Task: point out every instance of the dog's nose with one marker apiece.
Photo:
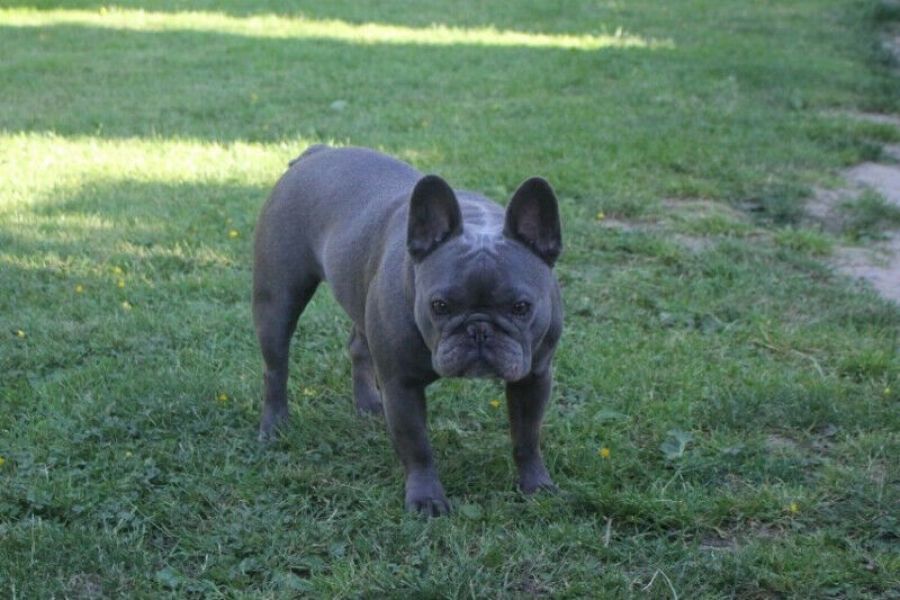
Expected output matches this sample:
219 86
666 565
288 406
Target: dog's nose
479 331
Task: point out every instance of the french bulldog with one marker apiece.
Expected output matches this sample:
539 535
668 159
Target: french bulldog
437 283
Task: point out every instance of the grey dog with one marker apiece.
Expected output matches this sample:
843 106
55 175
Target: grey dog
437 283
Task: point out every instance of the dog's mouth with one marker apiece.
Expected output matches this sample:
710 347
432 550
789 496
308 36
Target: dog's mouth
479 350
480 370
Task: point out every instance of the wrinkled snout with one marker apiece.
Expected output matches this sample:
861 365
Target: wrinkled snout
480 332
478 347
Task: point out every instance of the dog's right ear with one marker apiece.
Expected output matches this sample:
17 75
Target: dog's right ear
434 216
532 218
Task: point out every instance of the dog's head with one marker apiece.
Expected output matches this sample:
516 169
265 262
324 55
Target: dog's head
484 295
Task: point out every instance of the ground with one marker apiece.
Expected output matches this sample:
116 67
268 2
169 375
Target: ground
724 419
876 262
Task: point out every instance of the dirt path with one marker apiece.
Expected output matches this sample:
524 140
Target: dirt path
879 266
877 263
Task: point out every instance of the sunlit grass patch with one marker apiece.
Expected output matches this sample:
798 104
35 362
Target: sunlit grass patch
36 167
276 26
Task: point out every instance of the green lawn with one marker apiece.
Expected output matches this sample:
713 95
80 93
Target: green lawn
745 399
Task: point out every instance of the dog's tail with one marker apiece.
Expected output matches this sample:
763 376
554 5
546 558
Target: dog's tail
309 152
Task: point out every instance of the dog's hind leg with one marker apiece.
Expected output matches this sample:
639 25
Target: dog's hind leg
365 387
275 315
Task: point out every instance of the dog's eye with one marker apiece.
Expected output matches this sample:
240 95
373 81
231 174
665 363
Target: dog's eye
439 307
520 309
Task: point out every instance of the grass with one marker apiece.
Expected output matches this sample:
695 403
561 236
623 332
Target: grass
869 216
807 241
286 27
747 397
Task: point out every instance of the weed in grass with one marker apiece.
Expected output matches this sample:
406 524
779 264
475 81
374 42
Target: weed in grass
715 225
869 216
778 205
806 241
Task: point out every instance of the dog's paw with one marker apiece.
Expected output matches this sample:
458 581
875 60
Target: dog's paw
270 423
543 487
429 507
537 480
426 498
369 406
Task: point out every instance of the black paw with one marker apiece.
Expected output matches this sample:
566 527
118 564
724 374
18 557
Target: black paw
429 507
426 497
537 482
369 406
270 423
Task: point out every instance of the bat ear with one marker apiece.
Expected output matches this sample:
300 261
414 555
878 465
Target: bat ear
532 218
434 216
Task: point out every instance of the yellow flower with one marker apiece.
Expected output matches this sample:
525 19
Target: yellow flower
120 283
128 454
233 233
887 391
309 392
2 461
222 397
495 403
793 508
603 452
126 305
600 216
20 333
118 270
79 289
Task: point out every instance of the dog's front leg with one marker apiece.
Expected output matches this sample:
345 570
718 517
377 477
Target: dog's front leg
404 409
526 400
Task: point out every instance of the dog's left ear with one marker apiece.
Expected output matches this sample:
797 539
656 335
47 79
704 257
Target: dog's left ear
434 216
532 218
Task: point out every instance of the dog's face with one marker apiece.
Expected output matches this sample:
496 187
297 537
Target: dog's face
484 299
482 306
